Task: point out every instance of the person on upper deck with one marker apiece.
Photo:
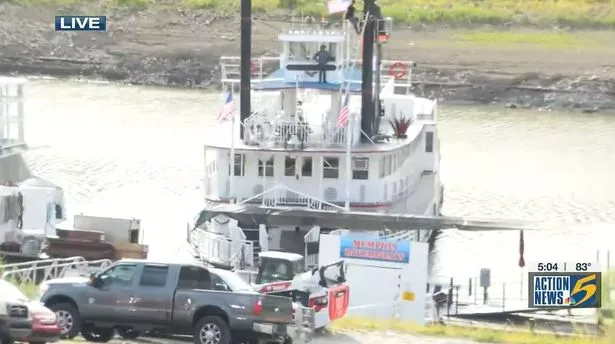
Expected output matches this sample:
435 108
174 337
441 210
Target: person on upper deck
350 16
322 57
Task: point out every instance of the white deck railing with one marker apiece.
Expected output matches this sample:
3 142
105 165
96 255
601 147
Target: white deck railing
281 195
230 68
220 249
265 129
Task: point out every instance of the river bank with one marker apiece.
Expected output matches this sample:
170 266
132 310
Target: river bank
175 47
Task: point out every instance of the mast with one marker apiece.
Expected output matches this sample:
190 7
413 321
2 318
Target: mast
246 57
367 97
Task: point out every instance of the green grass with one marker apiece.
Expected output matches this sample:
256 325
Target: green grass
578 13
478 334
508 38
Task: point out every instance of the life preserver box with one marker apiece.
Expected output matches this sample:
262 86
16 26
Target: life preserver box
398 70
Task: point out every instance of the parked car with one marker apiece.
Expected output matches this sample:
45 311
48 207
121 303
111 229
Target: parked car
176 298
31 321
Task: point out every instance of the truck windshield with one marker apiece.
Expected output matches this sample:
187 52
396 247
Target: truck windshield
9 291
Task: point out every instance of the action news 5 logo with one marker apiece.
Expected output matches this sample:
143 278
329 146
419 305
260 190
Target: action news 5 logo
81 23
566 289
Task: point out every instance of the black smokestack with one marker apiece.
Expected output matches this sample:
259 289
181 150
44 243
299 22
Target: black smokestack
246 59
367 97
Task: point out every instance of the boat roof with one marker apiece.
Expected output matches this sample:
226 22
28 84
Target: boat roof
285 216
281 255
276 81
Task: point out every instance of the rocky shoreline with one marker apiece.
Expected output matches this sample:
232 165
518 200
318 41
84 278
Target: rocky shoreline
174 48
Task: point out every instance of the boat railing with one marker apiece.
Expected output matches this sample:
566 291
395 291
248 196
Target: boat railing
230 67
264 129
281 195
219 249
311 238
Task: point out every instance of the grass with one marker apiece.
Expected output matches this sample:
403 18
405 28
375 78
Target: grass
578 13
490 335
478 334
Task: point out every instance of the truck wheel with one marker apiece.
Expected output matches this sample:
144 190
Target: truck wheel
212 330
97 334
5 337
69 319
128 333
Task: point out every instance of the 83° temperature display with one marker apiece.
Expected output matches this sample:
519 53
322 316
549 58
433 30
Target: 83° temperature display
566 267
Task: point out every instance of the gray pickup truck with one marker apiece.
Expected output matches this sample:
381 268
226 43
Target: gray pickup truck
139 295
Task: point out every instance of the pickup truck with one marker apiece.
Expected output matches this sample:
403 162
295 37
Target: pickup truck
174 298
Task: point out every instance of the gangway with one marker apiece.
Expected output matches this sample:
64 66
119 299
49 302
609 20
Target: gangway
38 271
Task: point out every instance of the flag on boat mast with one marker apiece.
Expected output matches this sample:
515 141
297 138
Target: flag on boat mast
228 108
338 6
344 116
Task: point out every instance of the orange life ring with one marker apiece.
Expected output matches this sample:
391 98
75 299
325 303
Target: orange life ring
398 70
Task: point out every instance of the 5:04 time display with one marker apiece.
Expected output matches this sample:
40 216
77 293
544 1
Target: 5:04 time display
548 267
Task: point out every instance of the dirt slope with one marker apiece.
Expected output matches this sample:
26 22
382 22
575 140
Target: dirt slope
177 47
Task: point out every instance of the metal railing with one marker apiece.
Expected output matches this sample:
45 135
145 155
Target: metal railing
216 248
281 195
230 67
313 236
39 271
269 129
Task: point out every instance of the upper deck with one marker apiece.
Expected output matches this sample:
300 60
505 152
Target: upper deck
297 104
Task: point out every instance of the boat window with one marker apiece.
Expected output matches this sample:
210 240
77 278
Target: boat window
382 161
360 168
330 167
265 167
389 165
306 167
239 165
301 51
289 166
429 142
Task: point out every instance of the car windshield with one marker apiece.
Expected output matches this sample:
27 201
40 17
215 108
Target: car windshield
11 292
234 282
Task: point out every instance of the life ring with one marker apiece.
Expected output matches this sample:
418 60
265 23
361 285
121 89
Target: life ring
398 70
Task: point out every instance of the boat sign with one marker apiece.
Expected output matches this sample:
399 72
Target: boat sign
395 251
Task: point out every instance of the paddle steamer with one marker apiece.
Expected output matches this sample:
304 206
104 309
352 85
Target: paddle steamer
286 147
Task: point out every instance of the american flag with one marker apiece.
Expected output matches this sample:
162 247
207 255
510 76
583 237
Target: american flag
337 6
228 108
344 116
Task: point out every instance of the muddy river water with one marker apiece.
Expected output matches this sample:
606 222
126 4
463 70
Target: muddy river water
135 151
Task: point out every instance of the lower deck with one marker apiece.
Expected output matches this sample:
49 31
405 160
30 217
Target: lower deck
301 234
